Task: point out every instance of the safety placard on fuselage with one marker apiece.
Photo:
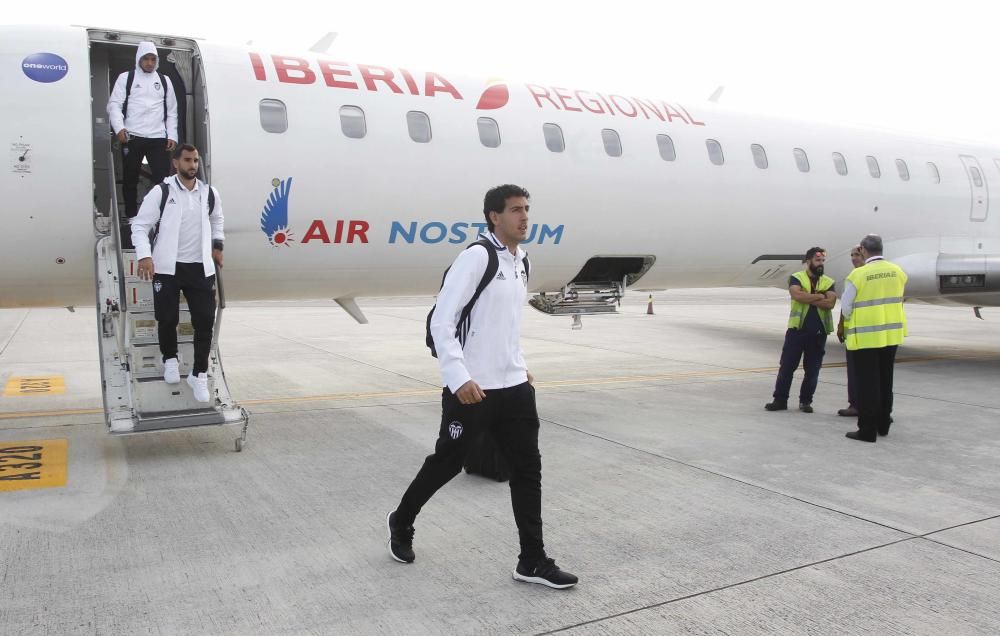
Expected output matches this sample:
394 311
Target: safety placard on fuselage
20 158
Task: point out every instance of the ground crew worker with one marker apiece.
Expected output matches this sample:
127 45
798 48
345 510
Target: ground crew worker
188 244
874 325
810 321
488 390
852 381
143 115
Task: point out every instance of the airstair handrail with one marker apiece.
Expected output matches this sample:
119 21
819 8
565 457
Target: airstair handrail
116 231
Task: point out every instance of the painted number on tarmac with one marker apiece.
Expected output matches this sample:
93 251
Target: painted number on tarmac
37 385
32 464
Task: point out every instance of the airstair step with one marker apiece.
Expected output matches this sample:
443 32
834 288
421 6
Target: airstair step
581 299
178 419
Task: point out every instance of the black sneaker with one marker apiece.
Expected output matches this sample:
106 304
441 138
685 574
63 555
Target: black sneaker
400 540
805 408
777 405
545 572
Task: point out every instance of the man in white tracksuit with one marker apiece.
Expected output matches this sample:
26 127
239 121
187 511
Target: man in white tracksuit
144 118
488 390
187 246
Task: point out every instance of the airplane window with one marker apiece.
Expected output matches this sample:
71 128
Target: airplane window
489 132
273 116
419 126
840 163
977 178
759 156
612 142
715 152
352 122
933 171
667 150
904 172
553 137
801 160
873 168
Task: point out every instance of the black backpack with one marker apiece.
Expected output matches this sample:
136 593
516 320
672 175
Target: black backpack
164 193
128 93
484 458
464 319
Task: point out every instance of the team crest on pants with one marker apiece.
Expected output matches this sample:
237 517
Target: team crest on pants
157 286
455 430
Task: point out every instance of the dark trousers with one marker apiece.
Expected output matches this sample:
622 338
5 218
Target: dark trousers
155 152
200 293
509 415
852 379
874 368
799 345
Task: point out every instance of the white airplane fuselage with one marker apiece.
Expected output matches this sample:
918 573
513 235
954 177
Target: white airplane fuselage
385 215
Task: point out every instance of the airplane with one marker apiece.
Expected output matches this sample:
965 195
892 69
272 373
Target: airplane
343 179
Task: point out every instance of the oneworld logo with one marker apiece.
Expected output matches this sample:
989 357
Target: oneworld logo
45 67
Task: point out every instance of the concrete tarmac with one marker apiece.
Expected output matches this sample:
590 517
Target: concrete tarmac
681 504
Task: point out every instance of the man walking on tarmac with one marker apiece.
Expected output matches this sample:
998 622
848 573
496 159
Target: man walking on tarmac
809 323
488 389
185 215
143 114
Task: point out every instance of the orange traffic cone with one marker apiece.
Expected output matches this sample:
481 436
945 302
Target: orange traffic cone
649 307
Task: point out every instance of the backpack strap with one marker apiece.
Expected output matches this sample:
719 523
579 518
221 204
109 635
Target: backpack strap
164 193
462 328
211 204
163 83
492 265
527 266
128 91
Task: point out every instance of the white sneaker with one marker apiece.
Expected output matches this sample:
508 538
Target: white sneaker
171 372
199 384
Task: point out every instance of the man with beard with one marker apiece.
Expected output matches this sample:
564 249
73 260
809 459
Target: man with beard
809 323
187 216
476 331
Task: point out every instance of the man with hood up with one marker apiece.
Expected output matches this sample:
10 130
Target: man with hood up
809 322
143 114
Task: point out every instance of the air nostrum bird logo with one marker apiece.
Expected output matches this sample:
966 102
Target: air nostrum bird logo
274 218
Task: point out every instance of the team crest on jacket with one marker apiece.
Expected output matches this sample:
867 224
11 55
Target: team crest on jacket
455 430
274 218
156 86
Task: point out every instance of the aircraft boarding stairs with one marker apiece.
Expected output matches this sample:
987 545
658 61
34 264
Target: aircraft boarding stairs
136 399
597 289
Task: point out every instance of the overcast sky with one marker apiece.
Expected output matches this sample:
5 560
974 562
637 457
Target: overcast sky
928 70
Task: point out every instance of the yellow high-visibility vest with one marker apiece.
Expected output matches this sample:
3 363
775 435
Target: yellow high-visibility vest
878 319
797 316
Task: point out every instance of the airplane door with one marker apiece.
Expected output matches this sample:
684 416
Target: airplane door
980 190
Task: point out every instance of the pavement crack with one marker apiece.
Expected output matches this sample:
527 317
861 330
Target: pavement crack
726 587
339 355
732 478
14 332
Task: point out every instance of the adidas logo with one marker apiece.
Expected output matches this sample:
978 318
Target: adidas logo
171 200
500 276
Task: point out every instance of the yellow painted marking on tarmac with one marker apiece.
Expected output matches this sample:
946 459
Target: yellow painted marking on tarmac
581 382
35 385
30 464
